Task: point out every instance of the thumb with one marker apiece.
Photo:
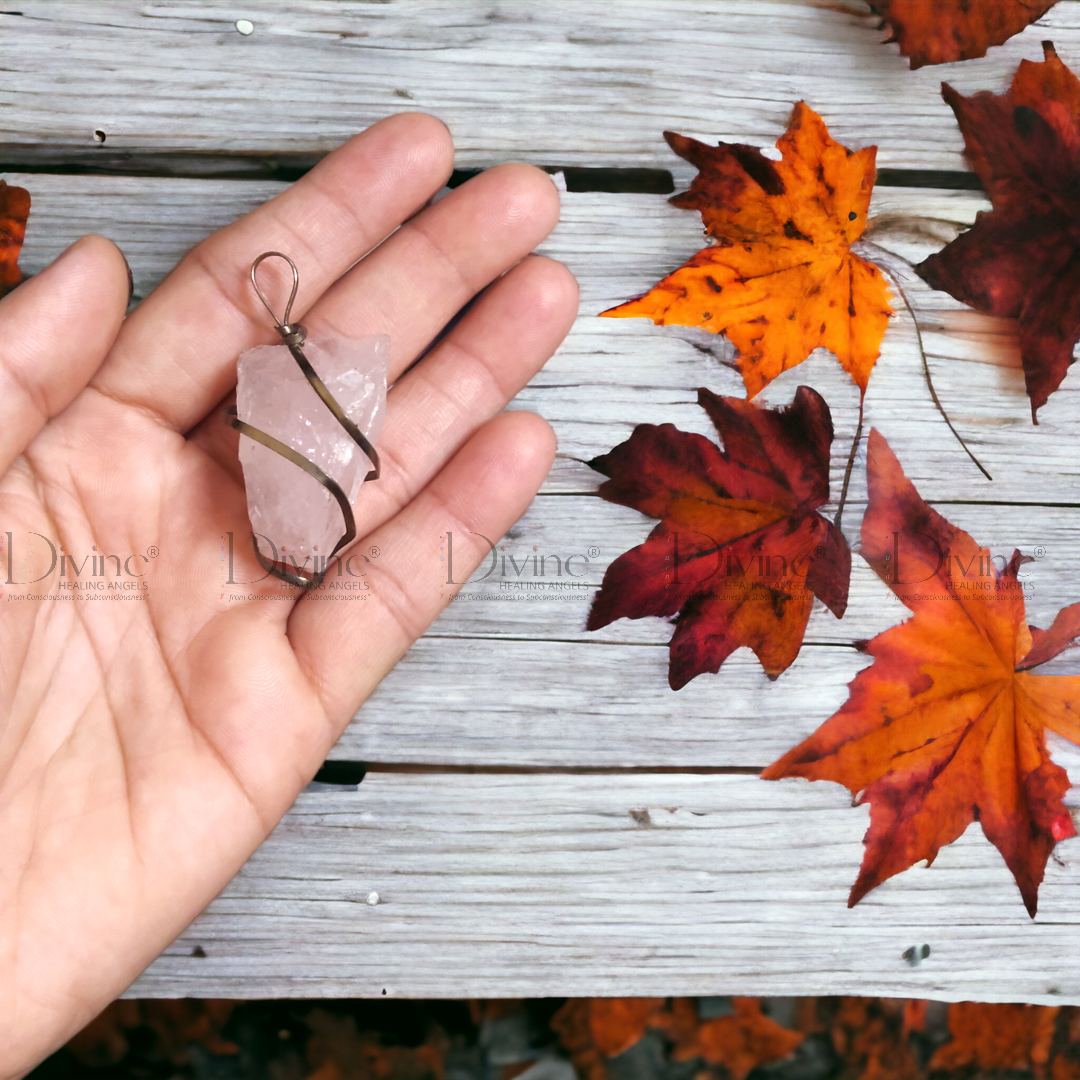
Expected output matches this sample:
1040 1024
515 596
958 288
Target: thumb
55 330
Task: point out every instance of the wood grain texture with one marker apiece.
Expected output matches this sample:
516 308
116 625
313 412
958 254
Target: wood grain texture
549 882
509 676
614 373
486 701
493 886
551 81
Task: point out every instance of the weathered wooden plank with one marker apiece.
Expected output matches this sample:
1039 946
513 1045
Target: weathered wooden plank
492 885
612 884
553 704
615 240
552 81
527 588
610 375
613 374
480 688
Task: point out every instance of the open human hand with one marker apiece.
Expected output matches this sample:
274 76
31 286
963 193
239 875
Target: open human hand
148 746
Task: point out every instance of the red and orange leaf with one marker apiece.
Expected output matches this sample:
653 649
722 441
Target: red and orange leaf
173 1025
871 1036
780 279
1046 644
941 31
740 1042
947 725
591 1030
1022 260
14 211
616 1024
997 1037
740 551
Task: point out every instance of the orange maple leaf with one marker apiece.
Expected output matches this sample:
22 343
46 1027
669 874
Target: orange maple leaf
781 278
941 31
14 210
871 1036
175 1026
947 725
740 1042
993 1037
591 1030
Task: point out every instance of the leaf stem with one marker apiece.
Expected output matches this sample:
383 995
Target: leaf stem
850 464
925 362
930 382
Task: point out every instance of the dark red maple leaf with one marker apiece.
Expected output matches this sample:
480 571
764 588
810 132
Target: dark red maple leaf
1022 260
940 31
740 551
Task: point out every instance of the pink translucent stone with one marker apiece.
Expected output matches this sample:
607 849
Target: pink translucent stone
286 505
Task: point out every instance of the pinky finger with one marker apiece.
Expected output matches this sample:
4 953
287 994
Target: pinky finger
346 648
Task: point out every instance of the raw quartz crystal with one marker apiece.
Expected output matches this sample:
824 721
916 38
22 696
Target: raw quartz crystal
286 505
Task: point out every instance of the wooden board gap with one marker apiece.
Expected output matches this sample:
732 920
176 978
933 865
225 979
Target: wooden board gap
556 770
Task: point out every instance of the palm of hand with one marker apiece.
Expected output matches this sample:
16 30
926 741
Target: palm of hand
148 746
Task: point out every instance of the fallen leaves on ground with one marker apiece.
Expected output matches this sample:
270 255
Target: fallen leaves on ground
780 279
1022 260
14 211
947 725
941 31
170 1028
740 551
997 1037
826 1038
594 1030
339 1049
740 1041
870 1035
591 1030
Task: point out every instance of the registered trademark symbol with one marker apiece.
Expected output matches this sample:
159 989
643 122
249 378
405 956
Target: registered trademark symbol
819 552
594 552
1039 552
373 551
152 552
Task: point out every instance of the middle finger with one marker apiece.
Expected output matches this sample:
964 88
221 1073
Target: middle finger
415 282
420 277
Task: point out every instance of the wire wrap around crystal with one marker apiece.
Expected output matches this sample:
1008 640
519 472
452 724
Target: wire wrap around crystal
293 336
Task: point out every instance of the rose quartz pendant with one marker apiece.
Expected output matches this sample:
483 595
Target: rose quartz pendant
291 513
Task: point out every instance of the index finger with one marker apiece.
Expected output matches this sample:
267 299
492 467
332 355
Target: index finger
176 354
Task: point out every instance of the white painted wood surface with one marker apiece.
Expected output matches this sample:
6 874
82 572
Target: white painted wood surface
550 882
558 82
614 373
519 885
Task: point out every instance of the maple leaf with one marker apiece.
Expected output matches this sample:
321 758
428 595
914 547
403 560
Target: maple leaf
871 1036
997 1037
1022 260
591 1030
941 31
171 1026
947 725
740 1042
740 550
338 1049
14 211
781 278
